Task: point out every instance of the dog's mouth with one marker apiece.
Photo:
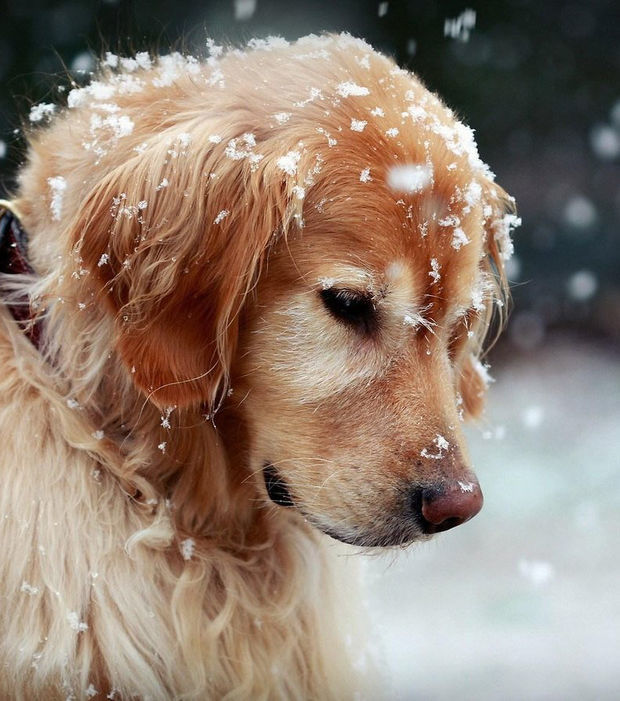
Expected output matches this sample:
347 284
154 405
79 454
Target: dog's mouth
276 487
386 535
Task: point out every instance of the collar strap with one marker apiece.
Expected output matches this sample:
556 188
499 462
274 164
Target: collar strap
14 261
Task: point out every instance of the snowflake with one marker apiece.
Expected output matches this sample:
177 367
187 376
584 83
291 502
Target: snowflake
44 110
58 185
29 589
442 446
289 162
410 178
221 216
187 548
348 88
75 623
459 239
358 124
282 117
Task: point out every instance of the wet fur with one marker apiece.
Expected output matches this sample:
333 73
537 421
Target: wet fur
100 585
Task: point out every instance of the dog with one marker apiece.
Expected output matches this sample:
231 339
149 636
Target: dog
248 319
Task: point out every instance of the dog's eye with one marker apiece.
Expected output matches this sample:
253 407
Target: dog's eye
354 308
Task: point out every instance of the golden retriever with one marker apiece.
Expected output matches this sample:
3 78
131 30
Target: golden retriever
262 281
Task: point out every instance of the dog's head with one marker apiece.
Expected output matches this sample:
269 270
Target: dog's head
313 227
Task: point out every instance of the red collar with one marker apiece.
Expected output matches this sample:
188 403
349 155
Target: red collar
14 261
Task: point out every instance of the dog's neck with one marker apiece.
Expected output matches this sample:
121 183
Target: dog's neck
187 465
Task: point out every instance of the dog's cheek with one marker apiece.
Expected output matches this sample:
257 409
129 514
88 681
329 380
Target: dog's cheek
299 348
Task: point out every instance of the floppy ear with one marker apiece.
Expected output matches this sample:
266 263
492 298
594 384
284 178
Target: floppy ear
499 219
173 239
473 383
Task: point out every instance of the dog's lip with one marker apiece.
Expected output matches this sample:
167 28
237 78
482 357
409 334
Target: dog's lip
277 489
395 539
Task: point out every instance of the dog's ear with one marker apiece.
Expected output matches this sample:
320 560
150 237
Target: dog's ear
499 219
173 239
473 383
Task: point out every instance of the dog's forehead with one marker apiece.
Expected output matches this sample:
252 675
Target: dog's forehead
409 241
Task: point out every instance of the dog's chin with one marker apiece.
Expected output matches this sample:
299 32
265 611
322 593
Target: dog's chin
396 534
387 537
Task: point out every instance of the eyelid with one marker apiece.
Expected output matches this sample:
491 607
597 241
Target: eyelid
361 293
355 308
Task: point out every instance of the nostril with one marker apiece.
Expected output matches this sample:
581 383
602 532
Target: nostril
447 505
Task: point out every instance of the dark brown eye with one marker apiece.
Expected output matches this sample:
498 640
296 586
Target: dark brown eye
351 307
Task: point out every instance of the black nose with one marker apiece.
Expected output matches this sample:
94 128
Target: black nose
447 504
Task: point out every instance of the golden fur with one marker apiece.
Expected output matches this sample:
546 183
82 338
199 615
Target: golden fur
202 209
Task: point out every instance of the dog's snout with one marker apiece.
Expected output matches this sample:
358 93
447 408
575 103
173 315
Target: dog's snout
448 504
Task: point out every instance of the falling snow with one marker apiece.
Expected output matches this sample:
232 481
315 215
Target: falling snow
537 572
244 9
582 285
605 142
410 178
580 212
533 416
461 26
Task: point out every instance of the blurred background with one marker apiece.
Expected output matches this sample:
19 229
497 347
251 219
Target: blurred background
524 602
